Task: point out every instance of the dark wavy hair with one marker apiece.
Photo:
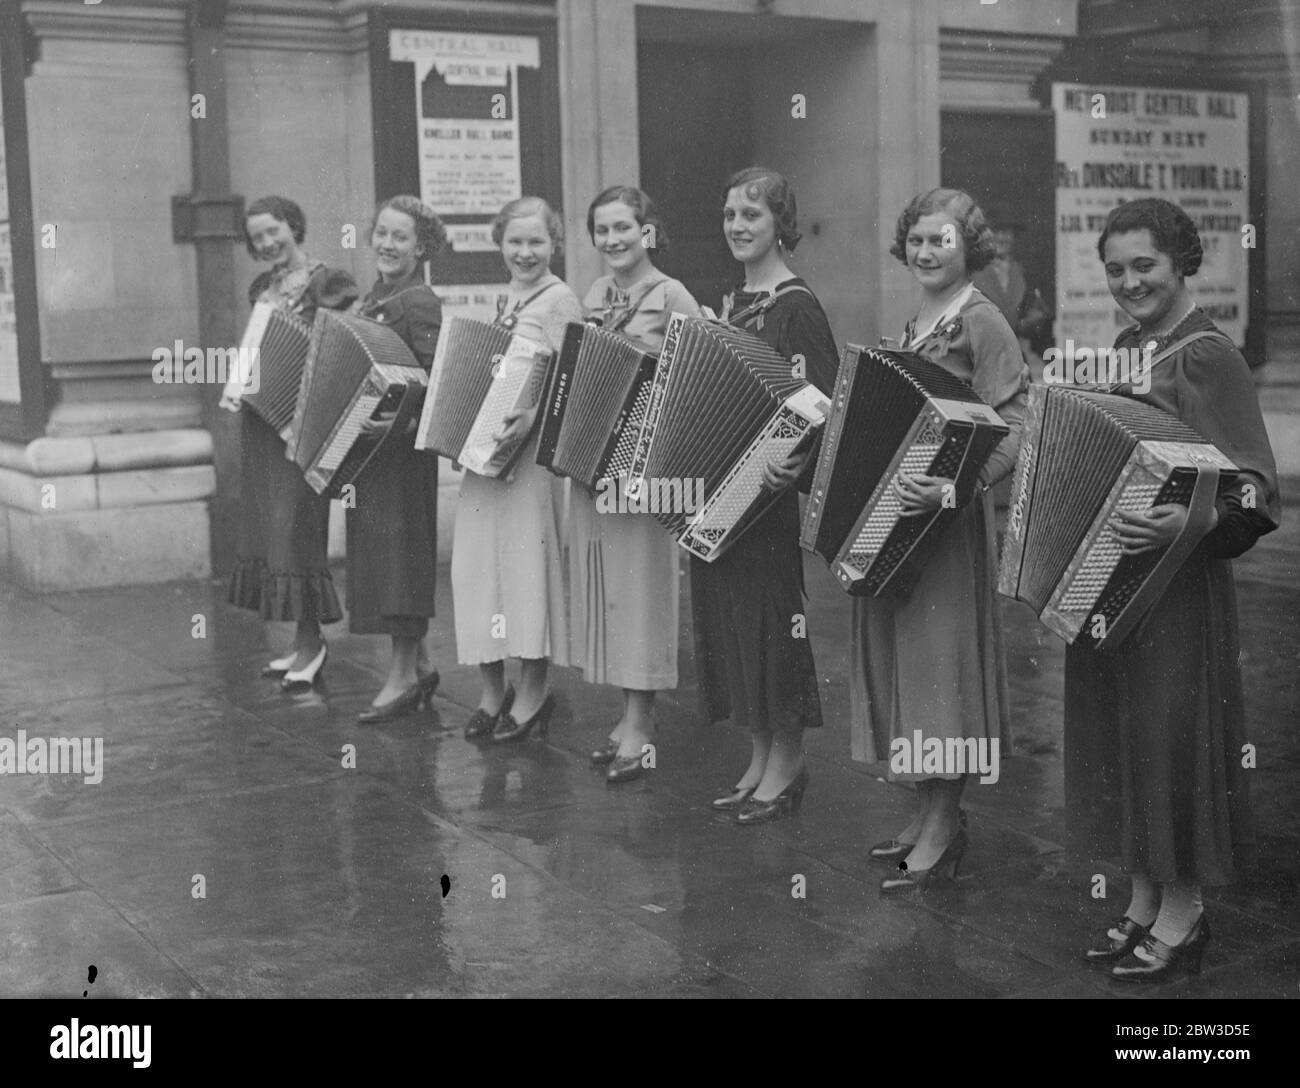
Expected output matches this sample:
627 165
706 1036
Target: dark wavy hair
1172 231
523 207
777 194
430 234
976 235
642 207
277 207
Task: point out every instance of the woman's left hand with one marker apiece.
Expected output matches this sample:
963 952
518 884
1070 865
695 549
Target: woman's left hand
921 494
517 425
379 425
779 475
1155 528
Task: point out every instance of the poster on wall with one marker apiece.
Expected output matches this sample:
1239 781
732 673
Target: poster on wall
467 109
9 386
1118 143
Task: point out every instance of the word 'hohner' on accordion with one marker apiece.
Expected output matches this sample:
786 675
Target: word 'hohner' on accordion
275 345
893 412
594 405
481 372
356 369
723 405
1083 457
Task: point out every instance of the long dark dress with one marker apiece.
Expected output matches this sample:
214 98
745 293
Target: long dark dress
393 530
1154 728
281 570
751 664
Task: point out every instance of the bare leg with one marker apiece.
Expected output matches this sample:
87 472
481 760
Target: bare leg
532 689
638 724
307 641
784 762
762 743
401 669
940 825
493 676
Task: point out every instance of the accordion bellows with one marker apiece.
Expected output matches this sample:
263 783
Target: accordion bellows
355 369
480 373
277 342
722 406
893 412
1083 456
595 403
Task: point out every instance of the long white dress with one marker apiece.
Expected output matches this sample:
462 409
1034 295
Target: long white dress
507 573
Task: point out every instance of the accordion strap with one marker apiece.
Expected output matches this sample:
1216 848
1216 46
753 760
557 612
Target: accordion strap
759 308
1172 350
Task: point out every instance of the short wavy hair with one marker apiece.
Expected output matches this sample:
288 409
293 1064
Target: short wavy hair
976 235
277 207
777 193
642 207
523 207
430 234
1172 231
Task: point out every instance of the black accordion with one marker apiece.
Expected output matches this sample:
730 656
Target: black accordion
355 369
1084 456
480 373
276 344
722 406
894 412
594 405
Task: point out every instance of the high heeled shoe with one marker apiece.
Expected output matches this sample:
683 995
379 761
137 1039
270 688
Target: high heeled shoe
508 729
1121 937
1155 961
481 723
733 799
280 665
428 683
786 803
897 849
306 677
602 756
418 694
943 871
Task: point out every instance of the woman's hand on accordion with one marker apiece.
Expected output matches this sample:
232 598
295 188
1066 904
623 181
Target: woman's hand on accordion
1157 527
517 425
229 401
779 475
921 494
378 426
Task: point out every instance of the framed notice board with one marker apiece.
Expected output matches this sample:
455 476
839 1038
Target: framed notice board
466 115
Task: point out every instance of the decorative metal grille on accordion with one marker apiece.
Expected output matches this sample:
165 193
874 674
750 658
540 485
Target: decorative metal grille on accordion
355 369
722 406
481 372
595 402
893 412
1085 455
277 344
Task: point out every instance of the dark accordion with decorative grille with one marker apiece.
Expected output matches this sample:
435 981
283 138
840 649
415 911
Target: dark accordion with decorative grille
722 406
894 412
595 403
481 372
280 341
356 369
1083 457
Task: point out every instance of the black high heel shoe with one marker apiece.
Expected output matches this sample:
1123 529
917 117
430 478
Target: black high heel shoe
1120 938
417 695
786 803
508 729
942 871
897 850
428 683
733 799
1155 961
601 756
481 723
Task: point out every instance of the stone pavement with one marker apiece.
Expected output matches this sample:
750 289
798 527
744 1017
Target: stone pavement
325 881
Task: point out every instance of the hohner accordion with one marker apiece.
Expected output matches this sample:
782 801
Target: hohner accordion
481 372
355 369
275 343
722 406
594 406
894 412
1083 457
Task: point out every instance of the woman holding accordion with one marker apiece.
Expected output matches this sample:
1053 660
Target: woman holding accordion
623 566
751 648
393 528
1154 729
931 662
281 570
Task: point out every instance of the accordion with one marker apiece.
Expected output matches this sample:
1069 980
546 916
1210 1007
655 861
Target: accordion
1085 456
722 405
893 412
355 369
594 405
276 342
480 373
